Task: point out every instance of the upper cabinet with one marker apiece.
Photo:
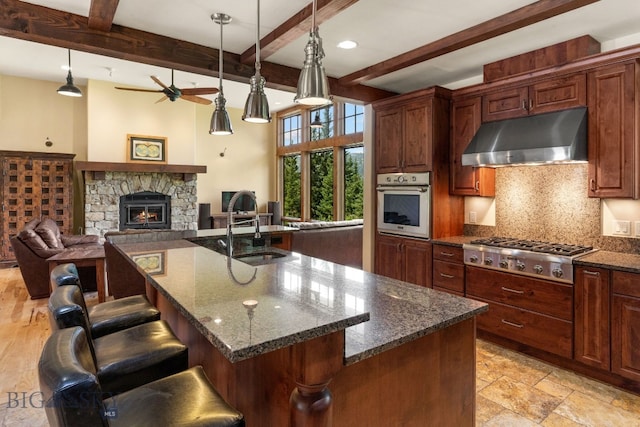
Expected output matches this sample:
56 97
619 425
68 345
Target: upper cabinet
614 154
403 137
467 180
543 97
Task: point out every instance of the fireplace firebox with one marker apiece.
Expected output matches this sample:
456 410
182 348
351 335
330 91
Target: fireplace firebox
145 209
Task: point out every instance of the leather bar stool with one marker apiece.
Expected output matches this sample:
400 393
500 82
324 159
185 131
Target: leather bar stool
110 316
73 396
123 359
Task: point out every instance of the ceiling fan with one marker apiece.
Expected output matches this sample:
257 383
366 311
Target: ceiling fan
172 92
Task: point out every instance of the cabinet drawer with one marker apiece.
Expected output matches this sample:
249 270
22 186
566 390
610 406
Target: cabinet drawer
448 253
541 296
448 275
542 332
626 283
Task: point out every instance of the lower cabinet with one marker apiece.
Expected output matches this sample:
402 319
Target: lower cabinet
404 259
625 325
592 310
448 269
530 311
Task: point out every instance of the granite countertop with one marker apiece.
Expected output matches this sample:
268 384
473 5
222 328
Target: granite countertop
267 229
612 260
298 299
453 241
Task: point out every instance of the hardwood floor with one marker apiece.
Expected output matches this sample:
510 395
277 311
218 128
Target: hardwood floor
512 389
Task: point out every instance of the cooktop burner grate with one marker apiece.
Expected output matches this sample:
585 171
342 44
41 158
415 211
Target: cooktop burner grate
533 245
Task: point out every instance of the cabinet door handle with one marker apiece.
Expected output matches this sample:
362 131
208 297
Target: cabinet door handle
477 186
515 291
449 254
524 104
592 184
515 325
446 276
530 104
591 273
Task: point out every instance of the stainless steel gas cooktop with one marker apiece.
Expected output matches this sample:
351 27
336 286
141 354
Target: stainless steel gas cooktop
545 260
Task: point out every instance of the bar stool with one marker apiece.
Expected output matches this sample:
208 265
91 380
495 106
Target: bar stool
123 359
73 396
110 316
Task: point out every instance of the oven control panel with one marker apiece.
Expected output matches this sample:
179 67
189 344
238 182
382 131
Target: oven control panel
398 179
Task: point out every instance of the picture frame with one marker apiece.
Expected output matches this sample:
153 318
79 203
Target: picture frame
146 149
153 263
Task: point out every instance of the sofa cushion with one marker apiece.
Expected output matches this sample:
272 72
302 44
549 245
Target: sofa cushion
32 239
50 233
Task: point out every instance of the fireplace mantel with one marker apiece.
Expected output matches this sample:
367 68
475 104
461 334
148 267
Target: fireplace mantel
99 168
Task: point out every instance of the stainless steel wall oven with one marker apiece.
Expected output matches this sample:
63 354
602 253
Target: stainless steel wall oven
404 204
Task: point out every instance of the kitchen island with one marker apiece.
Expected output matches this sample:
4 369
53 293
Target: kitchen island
302 341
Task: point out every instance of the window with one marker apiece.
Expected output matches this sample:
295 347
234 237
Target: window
291 186
292 128
353 182
322 168
353 118
322 185
325 114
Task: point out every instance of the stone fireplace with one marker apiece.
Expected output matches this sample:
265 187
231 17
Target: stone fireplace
105 191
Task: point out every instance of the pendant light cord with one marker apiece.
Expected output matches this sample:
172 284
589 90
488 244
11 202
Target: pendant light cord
221 61
258 40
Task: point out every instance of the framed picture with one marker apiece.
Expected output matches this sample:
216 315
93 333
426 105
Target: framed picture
152 263
146 149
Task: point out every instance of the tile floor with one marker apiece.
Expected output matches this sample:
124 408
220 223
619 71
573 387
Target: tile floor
516 390
513 390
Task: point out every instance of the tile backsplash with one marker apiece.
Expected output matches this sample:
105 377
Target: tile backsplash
549 203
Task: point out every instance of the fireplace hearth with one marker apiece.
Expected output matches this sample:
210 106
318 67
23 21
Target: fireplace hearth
145 209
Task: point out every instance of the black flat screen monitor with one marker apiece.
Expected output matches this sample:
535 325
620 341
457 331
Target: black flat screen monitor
243 204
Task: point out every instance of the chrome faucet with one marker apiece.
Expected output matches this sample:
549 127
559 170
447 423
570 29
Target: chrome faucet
230 222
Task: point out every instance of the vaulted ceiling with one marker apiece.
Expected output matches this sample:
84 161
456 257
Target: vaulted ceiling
402 46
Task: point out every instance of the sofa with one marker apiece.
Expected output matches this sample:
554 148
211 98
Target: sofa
124 279
335 241
41 239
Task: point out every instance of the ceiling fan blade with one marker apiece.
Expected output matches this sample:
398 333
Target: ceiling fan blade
199 91
164 98
157 80
138 90
193 98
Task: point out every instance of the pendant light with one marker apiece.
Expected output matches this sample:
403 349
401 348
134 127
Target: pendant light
256 109
220 122
69 89
316 123
313 84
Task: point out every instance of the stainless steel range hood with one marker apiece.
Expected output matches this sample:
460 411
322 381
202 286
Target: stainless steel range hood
557 137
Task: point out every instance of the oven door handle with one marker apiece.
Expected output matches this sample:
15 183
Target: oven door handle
408 189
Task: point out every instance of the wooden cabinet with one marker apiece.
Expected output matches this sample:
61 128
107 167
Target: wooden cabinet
542 97
591 317
404 259
625 325
34 185
467 180
614 155
402 138
530 311
448 269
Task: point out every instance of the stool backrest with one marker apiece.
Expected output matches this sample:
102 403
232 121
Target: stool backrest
70 389
65 274
67 309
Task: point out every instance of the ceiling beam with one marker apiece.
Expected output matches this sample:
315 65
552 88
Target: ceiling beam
101 14
511 21
57 28
294 27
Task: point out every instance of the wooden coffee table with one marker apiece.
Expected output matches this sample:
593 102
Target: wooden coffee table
86 257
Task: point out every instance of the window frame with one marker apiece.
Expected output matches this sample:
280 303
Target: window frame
337 143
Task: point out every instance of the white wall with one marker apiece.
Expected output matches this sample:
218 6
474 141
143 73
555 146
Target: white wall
620 216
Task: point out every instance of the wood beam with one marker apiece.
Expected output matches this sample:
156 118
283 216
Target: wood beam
511 21
101 14
57 28
294 27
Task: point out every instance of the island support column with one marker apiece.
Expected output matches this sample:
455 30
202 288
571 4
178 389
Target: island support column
315 362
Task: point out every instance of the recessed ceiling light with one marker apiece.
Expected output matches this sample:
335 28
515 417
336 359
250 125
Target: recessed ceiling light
347 44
